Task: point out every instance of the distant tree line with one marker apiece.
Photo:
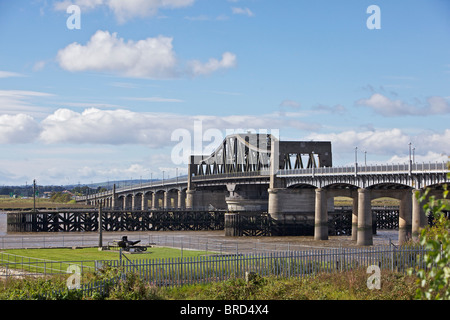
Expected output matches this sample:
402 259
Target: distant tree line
27 191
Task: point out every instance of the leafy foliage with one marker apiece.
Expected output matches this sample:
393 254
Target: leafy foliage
434 279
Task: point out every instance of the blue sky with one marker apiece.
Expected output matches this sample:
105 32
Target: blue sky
109 100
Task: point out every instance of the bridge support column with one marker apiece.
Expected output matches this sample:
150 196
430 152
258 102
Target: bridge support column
128 204
166 200
419 219
144 204
365 232
190 199
156 196
181 199
114 198
171 199
355 219
321 215
405 217
293 211
136 202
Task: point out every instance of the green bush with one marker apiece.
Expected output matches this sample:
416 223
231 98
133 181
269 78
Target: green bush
434 280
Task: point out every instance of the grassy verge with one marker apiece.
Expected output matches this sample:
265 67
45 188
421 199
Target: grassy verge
351 285
22 204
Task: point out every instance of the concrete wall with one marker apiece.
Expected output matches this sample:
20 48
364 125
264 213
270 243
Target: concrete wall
294 204
207 199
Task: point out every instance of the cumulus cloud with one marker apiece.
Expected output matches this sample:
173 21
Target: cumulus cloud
198 68
391 108
386 142
95 126
102 127
421 158
125 10
125 127
152 57
149 58
116 127
18 128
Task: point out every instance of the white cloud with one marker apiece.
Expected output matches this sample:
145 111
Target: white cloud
126 127
337 109
17 101
18 128
290 103
101 127
390 108
421 158
125 10
123 127
9 74
392 142
156 99
243 11
198 68
151 58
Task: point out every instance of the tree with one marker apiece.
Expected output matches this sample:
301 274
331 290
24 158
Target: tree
434 279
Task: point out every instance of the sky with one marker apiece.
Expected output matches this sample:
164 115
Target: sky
103 90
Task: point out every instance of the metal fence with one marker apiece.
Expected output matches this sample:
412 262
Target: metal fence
184 242
214 268
287 264
218 267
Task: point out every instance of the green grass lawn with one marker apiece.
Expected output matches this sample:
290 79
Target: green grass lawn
84 254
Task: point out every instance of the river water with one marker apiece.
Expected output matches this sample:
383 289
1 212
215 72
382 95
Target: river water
196 240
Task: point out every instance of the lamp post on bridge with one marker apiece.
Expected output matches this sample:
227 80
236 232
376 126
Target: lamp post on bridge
410 160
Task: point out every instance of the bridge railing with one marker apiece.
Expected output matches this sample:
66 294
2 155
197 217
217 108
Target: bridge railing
436 167
250 174
133 187
159 183
414 168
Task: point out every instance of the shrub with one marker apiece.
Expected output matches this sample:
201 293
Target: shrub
434 280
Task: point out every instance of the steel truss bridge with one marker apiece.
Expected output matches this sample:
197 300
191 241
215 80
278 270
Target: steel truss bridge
293 182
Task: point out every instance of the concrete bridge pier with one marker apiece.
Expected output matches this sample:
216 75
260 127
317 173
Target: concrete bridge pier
171 200
156 197
128 202
136 201
365 232
321 215
243 202
419 220
355 218
246 197
144 202
190 199
405 217
181 199
293 211
206 199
